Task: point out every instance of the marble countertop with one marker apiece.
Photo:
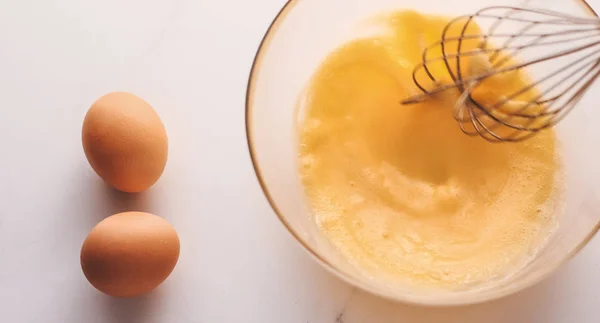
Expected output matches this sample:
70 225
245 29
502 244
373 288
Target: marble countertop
191 60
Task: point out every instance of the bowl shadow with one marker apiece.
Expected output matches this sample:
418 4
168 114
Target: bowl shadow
539 303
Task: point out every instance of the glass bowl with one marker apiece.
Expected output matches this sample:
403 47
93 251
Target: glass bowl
300 37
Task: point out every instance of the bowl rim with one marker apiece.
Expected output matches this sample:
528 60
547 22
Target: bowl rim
258 57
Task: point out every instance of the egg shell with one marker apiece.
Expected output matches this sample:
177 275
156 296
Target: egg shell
125 141
129 254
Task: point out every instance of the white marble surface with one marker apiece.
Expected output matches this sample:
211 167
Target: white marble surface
190 59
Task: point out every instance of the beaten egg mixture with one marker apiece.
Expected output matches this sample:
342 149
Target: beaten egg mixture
399 189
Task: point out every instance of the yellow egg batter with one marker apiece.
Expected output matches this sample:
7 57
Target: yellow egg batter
399 189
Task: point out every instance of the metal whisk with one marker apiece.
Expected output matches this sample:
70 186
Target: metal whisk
561 50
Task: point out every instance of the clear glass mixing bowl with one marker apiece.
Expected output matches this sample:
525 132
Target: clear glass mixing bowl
300 37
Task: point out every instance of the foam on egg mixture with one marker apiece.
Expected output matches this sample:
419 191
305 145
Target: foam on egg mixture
399 190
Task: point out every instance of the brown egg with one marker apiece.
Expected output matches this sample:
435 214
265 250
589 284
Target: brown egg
125 141
129 253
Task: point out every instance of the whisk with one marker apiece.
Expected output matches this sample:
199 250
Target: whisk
561 50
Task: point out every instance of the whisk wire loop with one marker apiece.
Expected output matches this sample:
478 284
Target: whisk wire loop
561 50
